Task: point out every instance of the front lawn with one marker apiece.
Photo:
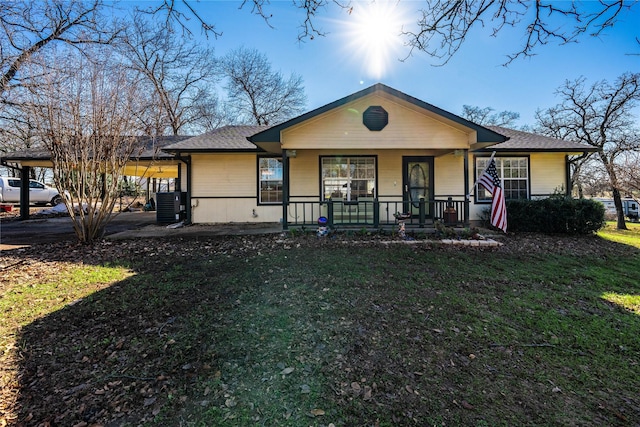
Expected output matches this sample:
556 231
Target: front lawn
628 237
244 331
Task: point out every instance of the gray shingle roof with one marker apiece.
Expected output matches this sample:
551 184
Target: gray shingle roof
29 154
227 138
152 148
526 141
148 148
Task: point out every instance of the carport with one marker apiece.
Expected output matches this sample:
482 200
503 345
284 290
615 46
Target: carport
151 163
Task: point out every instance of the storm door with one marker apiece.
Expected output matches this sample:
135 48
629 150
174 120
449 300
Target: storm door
417 183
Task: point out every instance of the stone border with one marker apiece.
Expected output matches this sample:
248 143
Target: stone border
471 243
486 242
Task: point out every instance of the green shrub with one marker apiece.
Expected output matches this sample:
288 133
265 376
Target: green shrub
555 215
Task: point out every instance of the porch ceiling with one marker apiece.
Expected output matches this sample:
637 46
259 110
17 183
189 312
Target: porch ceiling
138 168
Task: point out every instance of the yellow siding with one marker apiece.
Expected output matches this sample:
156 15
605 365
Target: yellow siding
449 176
213 211
305 171
305 174
408 127
218 175
390 175
224 189
548 173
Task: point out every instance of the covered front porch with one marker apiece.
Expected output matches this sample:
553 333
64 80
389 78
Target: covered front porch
375 189
375 213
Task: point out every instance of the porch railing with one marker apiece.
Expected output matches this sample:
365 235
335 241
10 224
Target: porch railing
376 213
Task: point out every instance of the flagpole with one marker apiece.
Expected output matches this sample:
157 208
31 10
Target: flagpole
475 184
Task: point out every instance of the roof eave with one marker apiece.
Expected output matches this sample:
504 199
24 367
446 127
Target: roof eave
214 150
538 150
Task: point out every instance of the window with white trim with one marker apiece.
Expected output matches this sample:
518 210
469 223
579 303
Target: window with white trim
514 173
270 175
348 178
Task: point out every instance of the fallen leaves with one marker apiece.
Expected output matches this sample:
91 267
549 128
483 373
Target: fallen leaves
287 371
365 353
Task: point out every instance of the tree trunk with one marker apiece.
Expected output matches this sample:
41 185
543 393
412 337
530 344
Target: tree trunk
617 201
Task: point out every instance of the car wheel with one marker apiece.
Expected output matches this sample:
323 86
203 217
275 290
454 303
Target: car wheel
56 200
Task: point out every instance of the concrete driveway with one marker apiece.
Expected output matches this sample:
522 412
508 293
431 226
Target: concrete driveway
14 232
127 225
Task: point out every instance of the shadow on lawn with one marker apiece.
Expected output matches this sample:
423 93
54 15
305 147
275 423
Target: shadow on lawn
128 352
143 349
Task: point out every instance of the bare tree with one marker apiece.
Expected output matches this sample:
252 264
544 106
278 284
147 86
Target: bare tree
29 30
487 117
176 16
257 94
27 27
17 133
86 117
212 116
178 72
602 116
444 25
629 173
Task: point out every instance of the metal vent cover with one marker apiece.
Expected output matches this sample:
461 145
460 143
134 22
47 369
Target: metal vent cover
375 118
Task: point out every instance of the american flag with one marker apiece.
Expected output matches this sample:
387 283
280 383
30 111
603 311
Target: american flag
491 181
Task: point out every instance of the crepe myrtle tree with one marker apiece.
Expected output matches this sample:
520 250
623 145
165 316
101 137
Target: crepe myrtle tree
87 117
600 115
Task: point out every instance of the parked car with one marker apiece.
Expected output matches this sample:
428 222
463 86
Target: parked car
39 193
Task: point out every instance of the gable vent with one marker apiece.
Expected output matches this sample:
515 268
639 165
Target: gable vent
375 118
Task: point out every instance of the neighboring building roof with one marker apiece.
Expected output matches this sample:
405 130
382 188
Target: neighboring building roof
227 138
29 154
526 141
272 134
151 149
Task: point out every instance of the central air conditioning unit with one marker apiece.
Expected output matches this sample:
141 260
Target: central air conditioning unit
169 207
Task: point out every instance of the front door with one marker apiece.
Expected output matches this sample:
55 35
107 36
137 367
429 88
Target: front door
417 183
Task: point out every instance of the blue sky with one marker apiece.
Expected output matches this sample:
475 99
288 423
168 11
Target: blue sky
336 65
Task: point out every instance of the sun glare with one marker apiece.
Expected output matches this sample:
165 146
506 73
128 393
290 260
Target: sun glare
374 29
